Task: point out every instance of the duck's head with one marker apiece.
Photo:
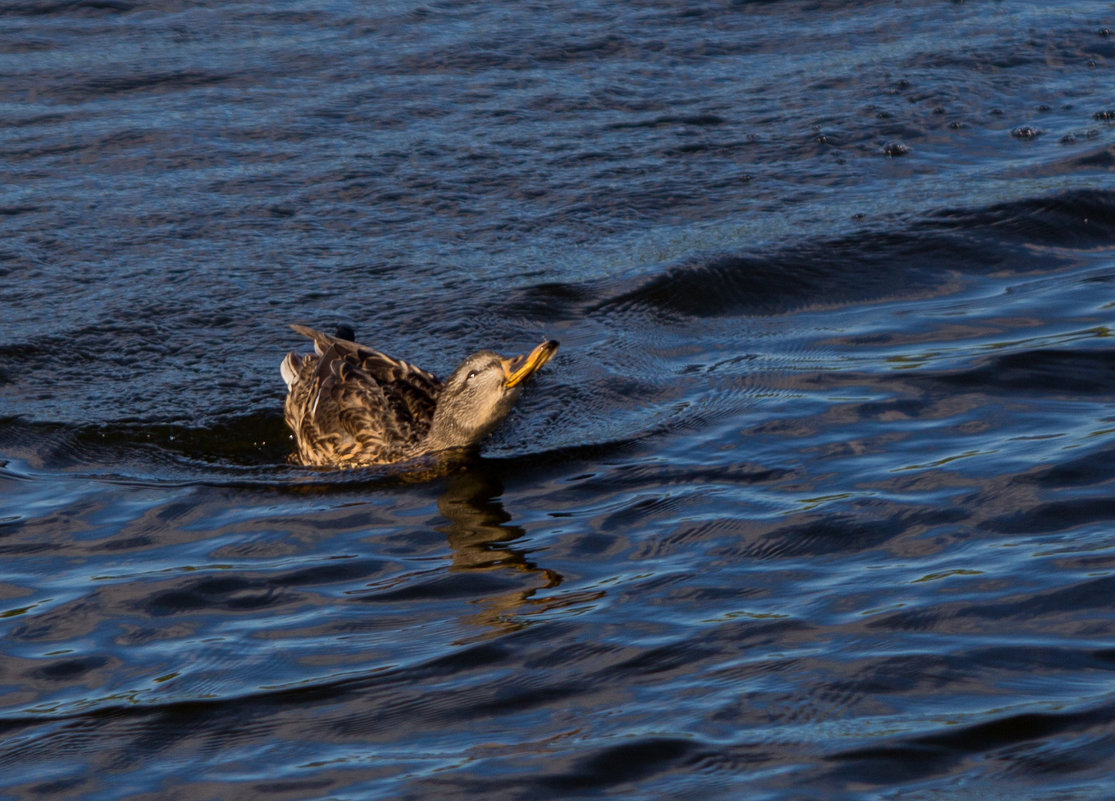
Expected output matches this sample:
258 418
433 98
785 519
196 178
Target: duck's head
480 393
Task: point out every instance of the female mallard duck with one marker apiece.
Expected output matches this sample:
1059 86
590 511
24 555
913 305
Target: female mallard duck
351 406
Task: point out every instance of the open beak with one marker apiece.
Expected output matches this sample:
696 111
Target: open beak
520 368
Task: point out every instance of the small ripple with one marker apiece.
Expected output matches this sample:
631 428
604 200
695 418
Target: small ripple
937 753
623 764
1057 372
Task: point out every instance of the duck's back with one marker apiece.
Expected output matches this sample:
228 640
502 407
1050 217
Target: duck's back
349 404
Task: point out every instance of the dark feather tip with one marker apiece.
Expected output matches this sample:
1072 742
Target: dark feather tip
345 331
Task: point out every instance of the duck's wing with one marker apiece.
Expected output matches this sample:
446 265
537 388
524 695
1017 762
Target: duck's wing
350 403
418 388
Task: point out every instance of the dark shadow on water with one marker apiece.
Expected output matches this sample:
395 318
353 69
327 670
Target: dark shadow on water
251 452
844 270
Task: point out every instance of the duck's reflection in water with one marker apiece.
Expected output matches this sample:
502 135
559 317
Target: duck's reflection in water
480 531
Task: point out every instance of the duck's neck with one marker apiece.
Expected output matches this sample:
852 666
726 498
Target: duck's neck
445 432
459 426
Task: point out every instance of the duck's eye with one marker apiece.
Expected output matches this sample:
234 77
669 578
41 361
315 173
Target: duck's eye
471 375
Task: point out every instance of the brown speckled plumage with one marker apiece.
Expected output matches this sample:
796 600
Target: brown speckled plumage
349 405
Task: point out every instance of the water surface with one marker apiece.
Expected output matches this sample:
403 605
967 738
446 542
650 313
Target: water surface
814 502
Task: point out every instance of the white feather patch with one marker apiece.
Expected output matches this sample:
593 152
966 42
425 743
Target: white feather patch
289 369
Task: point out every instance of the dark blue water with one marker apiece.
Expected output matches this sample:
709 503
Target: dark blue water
815 501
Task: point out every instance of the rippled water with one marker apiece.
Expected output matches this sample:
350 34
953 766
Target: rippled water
815 501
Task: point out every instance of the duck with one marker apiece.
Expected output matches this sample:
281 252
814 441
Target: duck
350 405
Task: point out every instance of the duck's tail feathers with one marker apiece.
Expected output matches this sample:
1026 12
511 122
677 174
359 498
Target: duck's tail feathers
322 341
